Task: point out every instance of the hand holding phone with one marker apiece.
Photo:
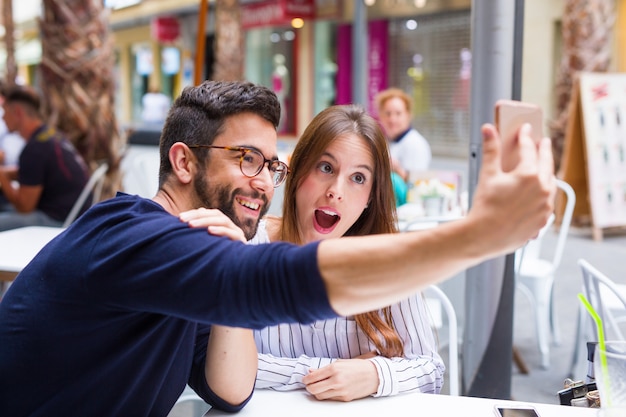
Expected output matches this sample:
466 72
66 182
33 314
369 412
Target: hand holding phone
510 115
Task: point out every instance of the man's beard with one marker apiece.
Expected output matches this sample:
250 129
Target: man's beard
223 198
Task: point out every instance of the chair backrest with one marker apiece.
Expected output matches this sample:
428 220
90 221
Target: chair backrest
532 248
93 187
453 354
601 292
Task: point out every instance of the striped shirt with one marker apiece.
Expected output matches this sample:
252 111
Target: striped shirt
288 351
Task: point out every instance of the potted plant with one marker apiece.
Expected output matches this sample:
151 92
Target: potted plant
433 194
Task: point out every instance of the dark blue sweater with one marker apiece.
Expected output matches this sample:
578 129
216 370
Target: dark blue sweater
111 318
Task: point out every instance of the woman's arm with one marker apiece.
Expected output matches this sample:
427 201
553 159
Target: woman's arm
285 374
421 369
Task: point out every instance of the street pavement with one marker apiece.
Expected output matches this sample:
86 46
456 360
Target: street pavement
608 256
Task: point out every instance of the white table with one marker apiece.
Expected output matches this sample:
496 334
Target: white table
19 246
411 217
299 403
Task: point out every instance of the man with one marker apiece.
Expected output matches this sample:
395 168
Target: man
113 316
50 175
11 146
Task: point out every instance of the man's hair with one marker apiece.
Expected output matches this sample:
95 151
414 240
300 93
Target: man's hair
26 96
197 117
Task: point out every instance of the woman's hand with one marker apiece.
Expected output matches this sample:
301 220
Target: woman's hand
343 380
216 222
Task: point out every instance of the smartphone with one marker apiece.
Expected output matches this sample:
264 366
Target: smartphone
515 411
510 115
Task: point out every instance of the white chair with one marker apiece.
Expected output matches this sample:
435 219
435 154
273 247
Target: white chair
93 188
434 293
535 276
609 301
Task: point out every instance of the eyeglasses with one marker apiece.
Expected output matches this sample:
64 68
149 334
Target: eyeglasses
252 162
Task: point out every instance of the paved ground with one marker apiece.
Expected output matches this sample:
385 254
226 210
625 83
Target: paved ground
608 256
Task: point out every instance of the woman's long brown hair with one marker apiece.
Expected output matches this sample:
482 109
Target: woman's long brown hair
378 217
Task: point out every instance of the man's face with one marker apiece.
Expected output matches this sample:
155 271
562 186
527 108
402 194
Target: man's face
222 185
9 116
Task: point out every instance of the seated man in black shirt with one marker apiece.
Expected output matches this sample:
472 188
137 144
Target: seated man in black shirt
51 173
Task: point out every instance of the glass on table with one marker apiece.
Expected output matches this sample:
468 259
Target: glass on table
610 375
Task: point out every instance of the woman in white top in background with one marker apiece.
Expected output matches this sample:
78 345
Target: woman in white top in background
340 185
409 150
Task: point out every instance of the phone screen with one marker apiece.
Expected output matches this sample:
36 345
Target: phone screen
517 412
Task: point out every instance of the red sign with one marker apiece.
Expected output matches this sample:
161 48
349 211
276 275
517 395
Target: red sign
275 12
165 29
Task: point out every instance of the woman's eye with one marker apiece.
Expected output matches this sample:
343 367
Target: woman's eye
358 178
325 167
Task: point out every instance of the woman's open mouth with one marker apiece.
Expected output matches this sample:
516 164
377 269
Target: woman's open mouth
325 220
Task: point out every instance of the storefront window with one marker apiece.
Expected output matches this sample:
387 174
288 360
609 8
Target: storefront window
269 62
142 63
170 68
325 65
430 59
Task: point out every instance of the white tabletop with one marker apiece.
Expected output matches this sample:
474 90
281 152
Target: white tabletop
19 246
411 217
299 403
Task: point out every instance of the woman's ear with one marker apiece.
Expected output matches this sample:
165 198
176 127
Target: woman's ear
184 162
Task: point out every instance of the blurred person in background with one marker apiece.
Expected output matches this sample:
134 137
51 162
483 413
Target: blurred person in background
409 150
50 175
155 106
11 145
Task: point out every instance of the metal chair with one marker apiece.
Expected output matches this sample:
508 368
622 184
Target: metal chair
535 277
453 340
609 300
93 188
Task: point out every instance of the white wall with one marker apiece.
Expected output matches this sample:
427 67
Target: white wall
539 56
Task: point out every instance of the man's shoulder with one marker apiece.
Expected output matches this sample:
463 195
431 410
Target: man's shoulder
45 134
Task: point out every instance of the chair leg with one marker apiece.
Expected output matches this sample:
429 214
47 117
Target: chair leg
554 321
542 321
579 352
519 361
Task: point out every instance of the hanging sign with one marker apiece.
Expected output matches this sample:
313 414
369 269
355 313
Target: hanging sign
165 29
275 12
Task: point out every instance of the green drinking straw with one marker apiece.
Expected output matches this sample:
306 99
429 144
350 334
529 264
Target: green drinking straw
596 317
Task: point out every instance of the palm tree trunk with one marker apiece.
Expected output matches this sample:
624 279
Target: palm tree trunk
228 41
586 30
9 40
78 82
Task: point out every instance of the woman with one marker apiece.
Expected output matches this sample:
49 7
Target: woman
409 150
340 185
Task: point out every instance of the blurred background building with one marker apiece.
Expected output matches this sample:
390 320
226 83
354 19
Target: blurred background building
302 49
